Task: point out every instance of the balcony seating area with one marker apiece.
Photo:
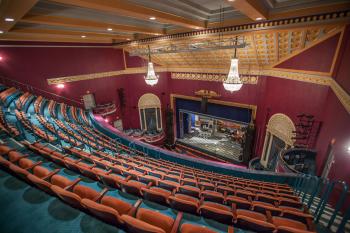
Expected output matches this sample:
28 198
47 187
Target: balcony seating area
93 173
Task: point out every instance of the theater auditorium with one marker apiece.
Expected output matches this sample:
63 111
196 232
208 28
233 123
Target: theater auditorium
174 116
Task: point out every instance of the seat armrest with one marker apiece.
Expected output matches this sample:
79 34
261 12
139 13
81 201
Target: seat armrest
176 224
102 193
34 165
132 211
51 174
70 187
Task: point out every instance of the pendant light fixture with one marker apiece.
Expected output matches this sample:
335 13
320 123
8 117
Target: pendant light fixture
233 81
151 78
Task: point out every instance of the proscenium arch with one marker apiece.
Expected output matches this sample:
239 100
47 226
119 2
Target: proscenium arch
281 126
149 101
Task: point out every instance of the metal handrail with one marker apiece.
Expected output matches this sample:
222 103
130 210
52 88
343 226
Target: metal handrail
37 91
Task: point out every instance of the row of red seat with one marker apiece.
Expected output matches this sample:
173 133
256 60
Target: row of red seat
7 127
60 134
32 127
37 104
163 193
6 93
52 108
108 208
21 101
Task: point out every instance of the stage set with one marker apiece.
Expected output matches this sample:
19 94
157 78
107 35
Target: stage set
219 129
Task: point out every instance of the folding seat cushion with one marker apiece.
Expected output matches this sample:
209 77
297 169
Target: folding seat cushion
206 186
156 194
238 202
148 221
290 202
69 197
39 176
133 174
284 225
226 190
298 216
209 195
103 212
254 221
85 192
189 181
4 150
189 190
245 194
158 174
169 185
218 212
148 178
184 203
174 178
191 228
14 156
61 181
263 208
71 164
289 196
118 169
267 198
21 170
133 187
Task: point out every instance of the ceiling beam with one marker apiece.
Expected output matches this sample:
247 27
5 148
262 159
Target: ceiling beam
76 34
10 36
87 24
14 9
128 9
251 8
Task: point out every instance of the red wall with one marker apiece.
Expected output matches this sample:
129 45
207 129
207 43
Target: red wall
271 95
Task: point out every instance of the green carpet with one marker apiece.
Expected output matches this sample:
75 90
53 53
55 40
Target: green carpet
25 209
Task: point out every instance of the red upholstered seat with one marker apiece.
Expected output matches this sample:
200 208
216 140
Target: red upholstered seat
156 194
226 190
206 186
4 150
14 156
238 202
189 190
21 169
289 202
191 228
218 212
254 221
67 196
133 187
189 181
148 221
60 181
167 184
284 225
263 207
111 180
209 195
85 192
184 203
119 205
149 178
267 199
245 194
104 211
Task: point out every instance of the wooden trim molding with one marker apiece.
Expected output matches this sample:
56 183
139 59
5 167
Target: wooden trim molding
324 80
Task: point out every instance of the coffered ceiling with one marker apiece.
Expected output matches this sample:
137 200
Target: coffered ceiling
114 21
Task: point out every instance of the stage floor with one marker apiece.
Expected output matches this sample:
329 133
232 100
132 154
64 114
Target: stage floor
220 146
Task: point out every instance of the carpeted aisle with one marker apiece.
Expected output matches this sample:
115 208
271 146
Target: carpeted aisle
25 209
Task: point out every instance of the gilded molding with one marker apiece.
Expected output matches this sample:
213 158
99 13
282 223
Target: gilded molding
211 77
342 95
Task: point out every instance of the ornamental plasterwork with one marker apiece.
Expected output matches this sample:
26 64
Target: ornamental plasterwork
282 126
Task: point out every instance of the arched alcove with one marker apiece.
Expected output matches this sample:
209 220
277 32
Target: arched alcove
279 135
150 112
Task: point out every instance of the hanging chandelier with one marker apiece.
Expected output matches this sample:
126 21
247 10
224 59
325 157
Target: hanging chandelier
151 78
233 81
